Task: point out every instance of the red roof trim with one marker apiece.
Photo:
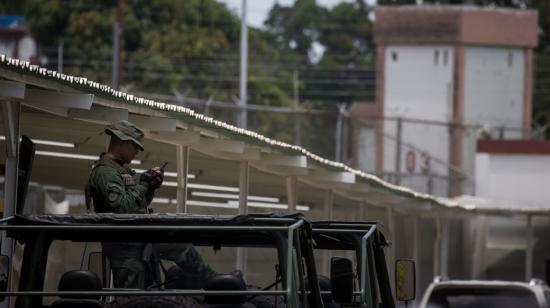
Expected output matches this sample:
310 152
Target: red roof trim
535 147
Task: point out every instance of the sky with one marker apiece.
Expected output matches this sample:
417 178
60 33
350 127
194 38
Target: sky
258 9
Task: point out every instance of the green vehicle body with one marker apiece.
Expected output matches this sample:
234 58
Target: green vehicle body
291 236
367 243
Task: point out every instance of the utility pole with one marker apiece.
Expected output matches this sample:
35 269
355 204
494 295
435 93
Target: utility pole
60 57
117 31
339 128
242 116
297 132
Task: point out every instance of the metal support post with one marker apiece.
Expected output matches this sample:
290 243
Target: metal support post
60 57
297 128
398 150
339 125
117 31
529 249
291 193
345 138
416 254
444 263
391 256
244 173
242 113
182 161
436 249
329 208
11 112
480 239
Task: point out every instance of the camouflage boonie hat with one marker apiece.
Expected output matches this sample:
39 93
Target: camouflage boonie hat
125 130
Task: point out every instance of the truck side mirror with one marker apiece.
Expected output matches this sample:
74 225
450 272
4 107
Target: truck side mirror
405 279
341 279
4 275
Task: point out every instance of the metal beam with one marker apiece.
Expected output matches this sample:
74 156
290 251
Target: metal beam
59 111
284 160
11 112
529 249
12 90
154 123
282 165
331 176
179 137
220 145
47 98
291 192
249 154
103 115
283 171
244 174
182 157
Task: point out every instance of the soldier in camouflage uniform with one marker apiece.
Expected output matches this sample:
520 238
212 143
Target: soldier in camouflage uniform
115 188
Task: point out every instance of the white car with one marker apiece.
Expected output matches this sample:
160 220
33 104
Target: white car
486 294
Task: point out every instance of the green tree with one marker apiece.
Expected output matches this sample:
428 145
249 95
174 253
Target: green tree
297 27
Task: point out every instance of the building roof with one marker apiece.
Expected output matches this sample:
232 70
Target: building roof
456 24
514 146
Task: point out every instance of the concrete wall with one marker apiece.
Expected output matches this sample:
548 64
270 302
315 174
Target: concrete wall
418 85
493 95
513 177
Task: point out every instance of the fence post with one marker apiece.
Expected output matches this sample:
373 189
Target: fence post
398 149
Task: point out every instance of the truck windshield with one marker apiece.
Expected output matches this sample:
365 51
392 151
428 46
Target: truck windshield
482 298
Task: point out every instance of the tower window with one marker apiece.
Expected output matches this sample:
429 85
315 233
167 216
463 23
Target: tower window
394 56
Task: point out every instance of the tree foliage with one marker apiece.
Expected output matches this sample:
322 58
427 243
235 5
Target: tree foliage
192 47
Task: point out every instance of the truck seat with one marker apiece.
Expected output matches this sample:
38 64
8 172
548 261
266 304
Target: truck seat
79 281
226 282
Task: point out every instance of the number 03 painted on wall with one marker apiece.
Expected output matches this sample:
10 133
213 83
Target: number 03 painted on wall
424 162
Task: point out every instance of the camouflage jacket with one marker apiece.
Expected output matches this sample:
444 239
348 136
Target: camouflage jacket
114 188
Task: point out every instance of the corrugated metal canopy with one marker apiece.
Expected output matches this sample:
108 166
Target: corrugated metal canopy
75 110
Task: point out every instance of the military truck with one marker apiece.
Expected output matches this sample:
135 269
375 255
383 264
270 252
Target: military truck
290 237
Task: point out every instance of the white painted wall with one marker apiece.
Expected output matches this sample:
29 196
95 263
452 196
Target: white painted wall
7 47
25 47
493 91
493 95
366 146
513 177
520 178
418 85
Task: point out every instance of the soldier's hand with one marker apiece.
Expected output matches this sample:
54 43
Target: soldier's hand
152 178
